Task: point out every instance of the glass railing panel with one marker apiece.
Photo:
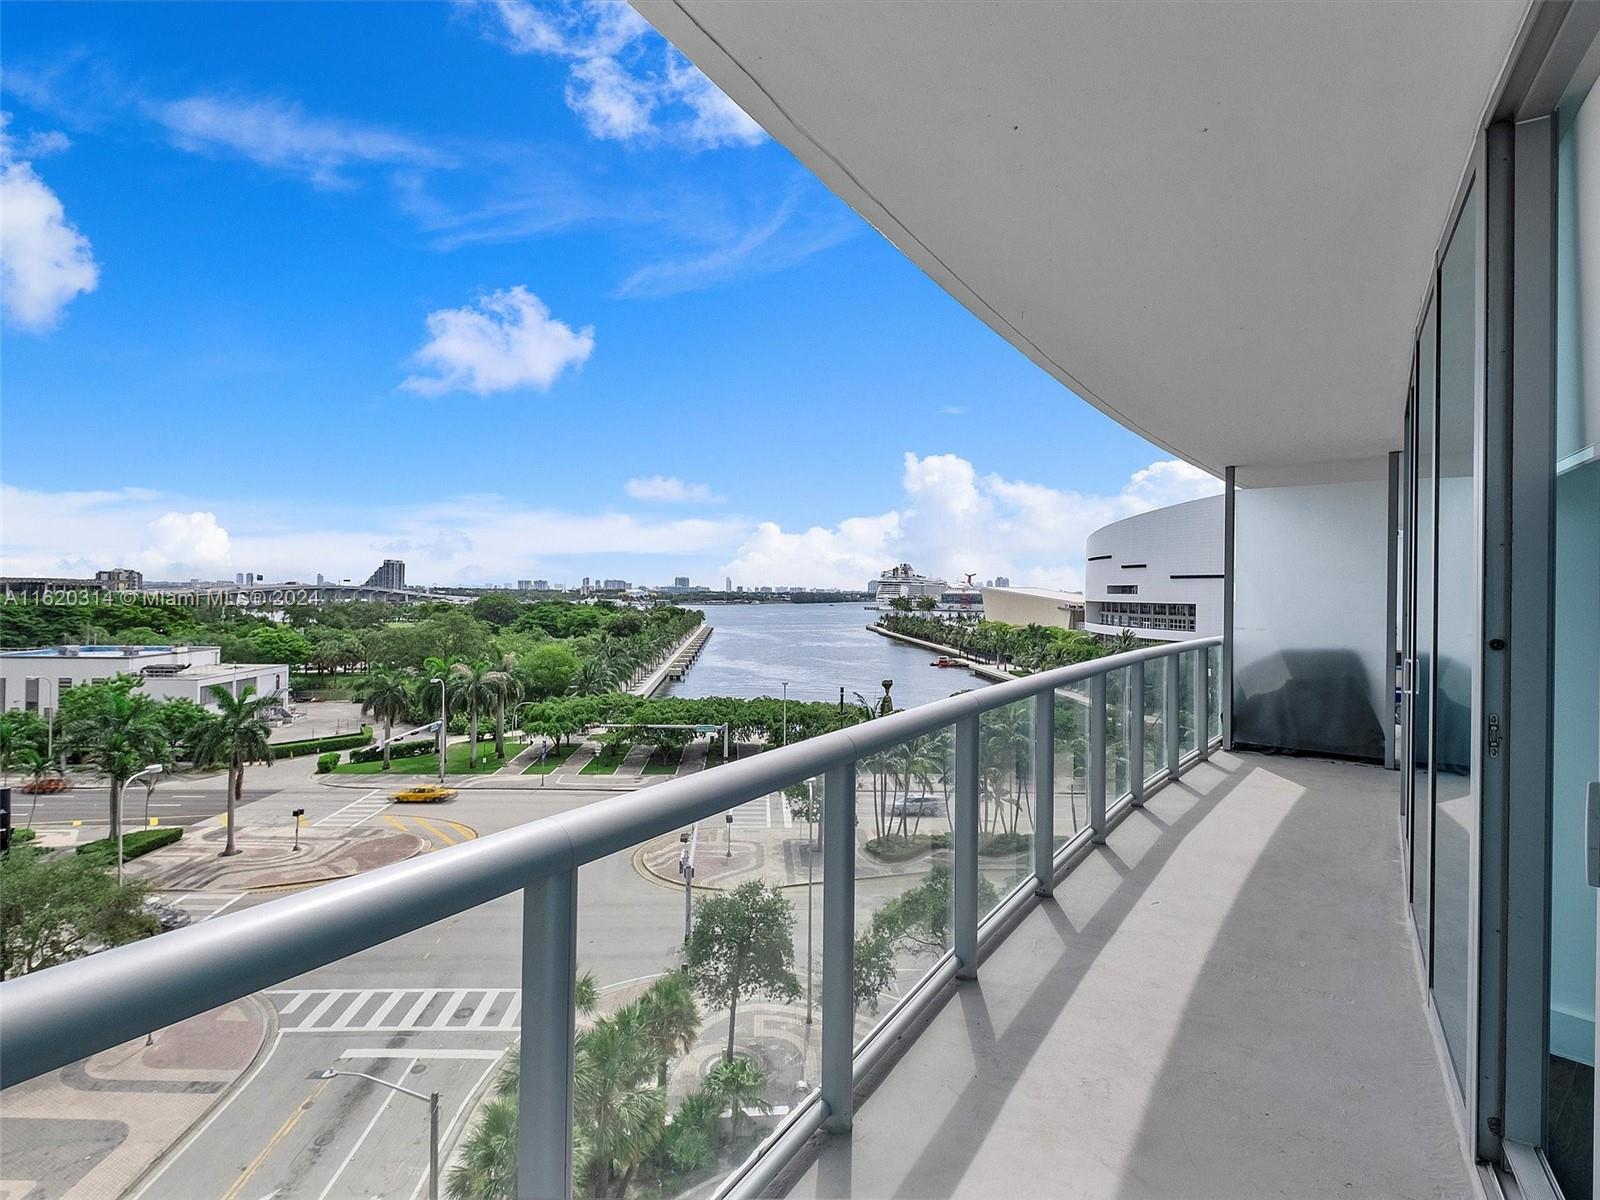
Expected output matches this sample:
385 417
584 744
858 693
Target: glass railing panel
1119 715
700 967
905 801
1072 760
1155 720
1005 799
1213 692
1188 740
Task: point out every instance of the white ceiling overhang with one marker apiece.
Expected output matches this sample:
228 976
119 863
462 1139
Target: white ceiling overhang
1213 221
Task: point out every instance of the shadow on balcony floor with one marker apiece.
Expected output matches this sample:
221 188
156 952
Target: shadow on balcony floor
1220 1002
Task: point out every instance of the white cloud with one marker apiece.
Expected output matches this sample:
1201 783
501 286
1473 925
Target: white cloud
506 340
624 83
667 489
955 520
45 262
464 540
280 135
186 544
789 236
954 410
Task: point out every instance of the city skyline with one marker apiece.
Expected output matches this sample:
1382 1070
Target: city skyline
588 268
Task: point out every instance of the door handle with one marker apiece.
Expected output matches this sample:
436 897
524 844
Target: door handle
1592 836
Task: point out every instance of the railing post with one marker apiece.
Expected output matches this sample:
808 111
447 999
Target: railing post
1097 758
1174 735
1044 792
544 1088
964 904
838 944
1136 732
1202 703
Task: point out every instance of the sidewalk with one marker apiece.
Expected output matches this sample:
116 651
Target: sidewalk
92 1130
267 858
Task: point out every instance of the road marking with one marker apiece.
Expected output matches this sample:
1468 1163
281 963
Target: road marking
435 830
272 1142
349 1014
357 810
440 1010
360 1052
449 1133
388 1099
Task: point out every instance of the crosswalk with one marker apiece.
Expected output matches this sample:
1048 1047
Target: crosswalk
397 1010
764 812
202 906
355 812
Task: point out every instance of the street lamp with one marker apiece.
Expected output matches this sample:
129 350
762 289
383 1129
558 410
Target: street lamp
444 729
432 1101
153 769
786 713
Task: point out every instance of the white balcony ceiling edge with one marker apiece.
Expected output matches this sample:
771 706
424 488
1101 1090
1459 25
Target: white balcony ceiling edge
1213 221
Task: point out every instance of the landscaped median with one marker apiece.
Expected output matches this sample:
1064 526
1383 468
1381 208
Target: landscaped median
103 851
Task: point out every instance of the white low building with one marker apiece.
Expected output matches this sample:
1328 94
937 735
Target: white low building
35 679
1033 606
1159 574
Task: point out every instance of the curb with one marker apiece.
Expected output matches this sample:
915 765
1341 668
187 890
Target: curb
649 875
181 1143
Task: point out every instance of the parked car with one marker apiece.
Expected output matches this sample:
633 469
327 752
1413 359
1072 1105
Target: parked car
917 806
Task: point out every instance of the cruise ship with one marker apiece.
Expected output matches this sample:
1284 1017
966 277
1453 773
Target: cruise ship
901 580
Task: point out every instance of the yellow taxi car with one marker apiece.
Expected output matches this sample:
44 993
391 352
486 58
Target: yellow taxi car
430 793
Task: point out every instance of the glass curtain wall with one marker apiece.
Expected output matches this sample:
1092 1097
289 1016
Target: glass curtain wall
1575 708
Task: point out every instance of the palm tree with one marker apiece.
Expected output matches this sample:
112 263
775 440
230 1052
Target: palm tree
671 1019
739 1083
237 735
508 690
118 733
39 767
487 1166
476 686
596 676
433 671
386 696
621 1111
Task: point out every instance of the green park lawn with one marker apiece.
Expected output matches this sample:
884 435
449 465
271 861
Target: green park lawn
455 763
663 762
552 760
604 763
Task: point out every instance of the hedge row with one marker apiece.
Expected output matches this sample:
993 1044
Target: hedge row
412 749
141 841
343 741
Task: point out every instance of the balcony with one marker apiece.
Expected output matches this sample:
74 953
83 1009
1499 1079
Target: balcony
1175 971
1222 1000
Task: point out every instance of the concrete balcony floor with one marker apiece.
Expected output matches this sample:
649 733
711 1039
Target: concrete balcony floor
1223 1001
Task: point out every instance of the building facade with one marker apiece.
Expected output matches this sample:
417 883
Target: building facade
35 679
1033 606
392 574
1158 574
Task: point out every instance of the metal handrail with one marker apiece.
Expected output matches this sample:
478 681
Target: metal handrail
60 1015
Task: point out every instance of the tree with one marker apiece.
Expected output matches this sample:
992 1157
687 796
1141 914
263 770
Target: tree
670 1019
742 945
496 608
739 1083
487 1166
548 670
19 730
875 971
508 690
900 604
116 730
474 686
596 676
620 1110
236 735
53 910
927 603
386 696
280 644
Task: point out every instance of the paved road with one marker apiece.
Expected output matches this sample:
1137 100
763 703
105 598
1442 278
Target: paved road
186 802
434 1008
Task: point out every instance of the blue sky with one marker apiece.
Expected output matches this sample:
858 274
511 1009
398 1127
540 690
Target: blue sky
509 291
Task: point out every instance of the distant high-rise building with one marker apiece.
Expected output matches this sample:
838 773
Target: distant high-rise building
680 581
238 578
586 583
524 585
120 579
1002 581
541 585
727 584
391 575
319 578
613 585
